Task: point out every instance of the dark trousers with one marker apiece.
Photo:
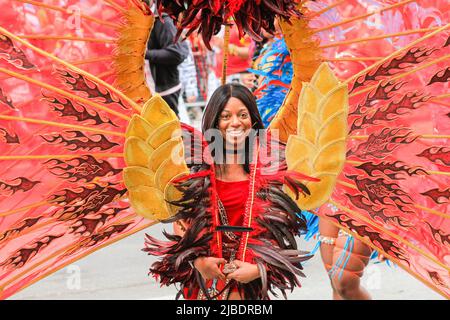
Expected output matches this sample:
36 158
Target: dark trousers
172 101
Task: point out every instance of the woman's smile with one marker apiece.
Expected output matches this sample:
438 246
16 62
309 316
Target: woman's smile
234 132
235 122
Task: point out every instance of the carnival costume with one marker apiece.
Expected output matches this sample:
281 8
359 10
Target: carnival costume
76 114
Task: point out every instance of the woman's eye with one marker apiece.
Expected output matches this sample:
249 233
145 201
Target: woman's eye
244 115
225 116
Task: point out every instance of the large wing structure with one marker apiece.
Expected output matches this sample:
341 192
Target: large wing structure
64 111
374 127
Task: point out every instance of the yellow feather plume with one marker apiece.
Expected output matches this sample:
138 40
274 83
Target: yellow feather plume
154 155
318 150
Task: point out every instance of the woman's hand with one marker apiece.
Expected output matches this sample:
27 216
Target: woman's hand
245 273
209 267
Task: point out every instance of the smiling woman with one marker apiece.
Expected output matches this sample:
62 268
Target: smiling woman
230 116
235 122
237 240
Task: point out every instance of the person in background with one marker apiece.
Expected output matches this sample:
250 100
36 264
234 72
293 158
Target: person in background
164 55
239 58
188 77
189 90
203 59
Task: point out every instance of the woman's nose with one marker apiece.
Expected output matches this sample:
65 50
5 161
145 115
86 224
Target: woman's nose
235 121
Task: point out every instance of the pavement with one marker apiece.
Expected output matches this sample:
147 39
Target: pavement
120 272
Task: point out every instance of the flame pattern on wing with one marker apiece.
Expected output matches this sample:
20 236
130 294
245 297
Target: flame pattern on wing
380 191
392 170
89 200
382 143
85 168
441 76
412 57
362 202
437 155
19 227
436 194
395 109
87 226
6 100
383 92
22 256
14 55
78 83
77 140
23 184
386 245
9 138
66 108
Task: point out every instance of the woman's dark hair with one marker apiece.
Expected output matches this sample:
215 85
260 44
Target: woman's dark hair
217 103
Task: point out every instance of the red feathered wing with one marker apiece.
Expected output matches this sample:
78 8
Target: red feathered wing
393 191
62 133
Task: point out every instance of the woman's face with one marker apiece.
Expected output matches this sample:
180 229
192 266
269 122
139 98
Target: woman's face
235 122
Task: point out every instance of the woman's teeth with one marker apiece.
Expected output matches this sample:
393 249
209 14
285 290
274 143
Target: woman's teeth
235 133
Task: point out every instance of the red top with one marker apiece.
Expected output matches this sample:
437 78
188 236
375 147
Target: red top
234 197
235 64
